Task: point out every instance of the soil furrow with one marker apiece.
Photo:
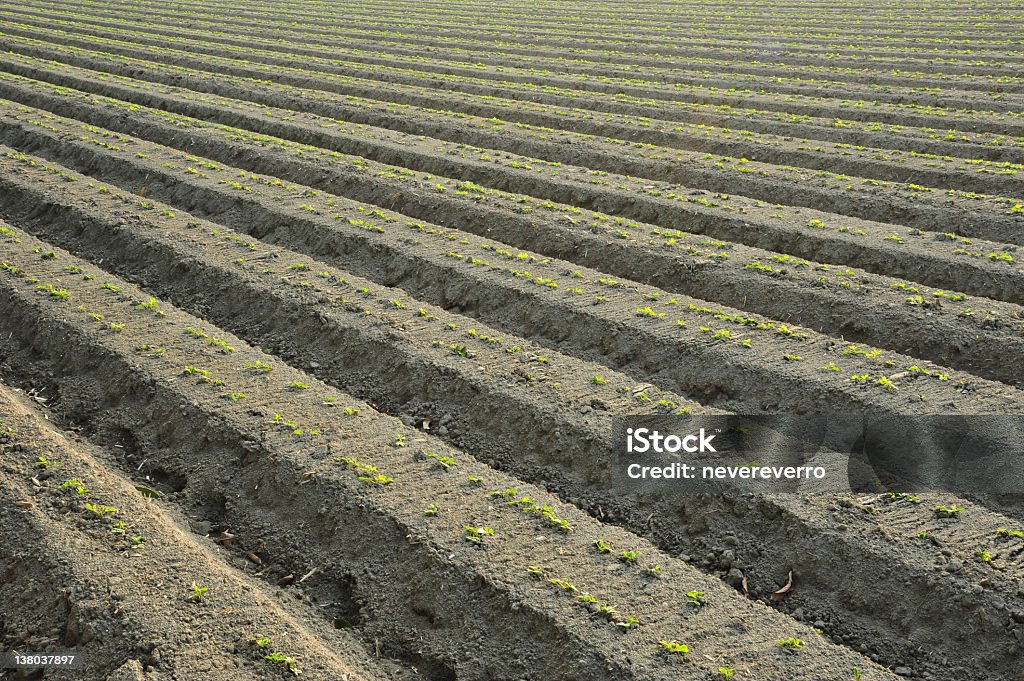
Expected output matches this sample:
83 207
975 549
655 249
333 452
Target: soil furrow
333 135
942 65
1002 119
374 537
528 303
879 162
884 312
65 563
387 14
457 59
926 140
184 261
321 333
389 70
905 204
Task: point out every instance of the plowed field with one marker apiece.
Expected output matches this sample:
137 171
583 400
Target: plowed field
315 318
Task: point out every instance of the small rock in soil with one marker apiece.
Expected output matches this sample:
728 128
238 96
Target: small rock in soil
734 578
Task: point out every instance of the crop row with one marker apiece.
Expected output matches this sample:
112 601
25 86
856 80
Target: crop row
96 539
775 284
757 128
815 236
398 520
699 85
892 105
551 62
292 305
390 14
843 125
739 346
922 207
639 27
797 49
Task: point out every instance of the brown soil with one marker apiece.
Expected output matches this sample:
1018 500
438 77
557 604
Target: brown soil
308 364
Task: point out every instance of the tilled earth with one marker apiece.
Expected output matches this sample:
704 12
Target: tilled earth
313 324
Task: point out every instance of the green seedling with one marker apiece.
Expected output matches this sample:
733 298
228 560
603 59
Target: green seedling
74 484
1004 533
952 511
628 623
212 340
61 293
100 510
288 663
790 644
367 474
197 593
902 496
477 534
629 557
726 673
984 555
445 462
563 584
535 571
44 463
431 511
299 385
378 480
648 312
695 598
602 546
261 367
674 647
